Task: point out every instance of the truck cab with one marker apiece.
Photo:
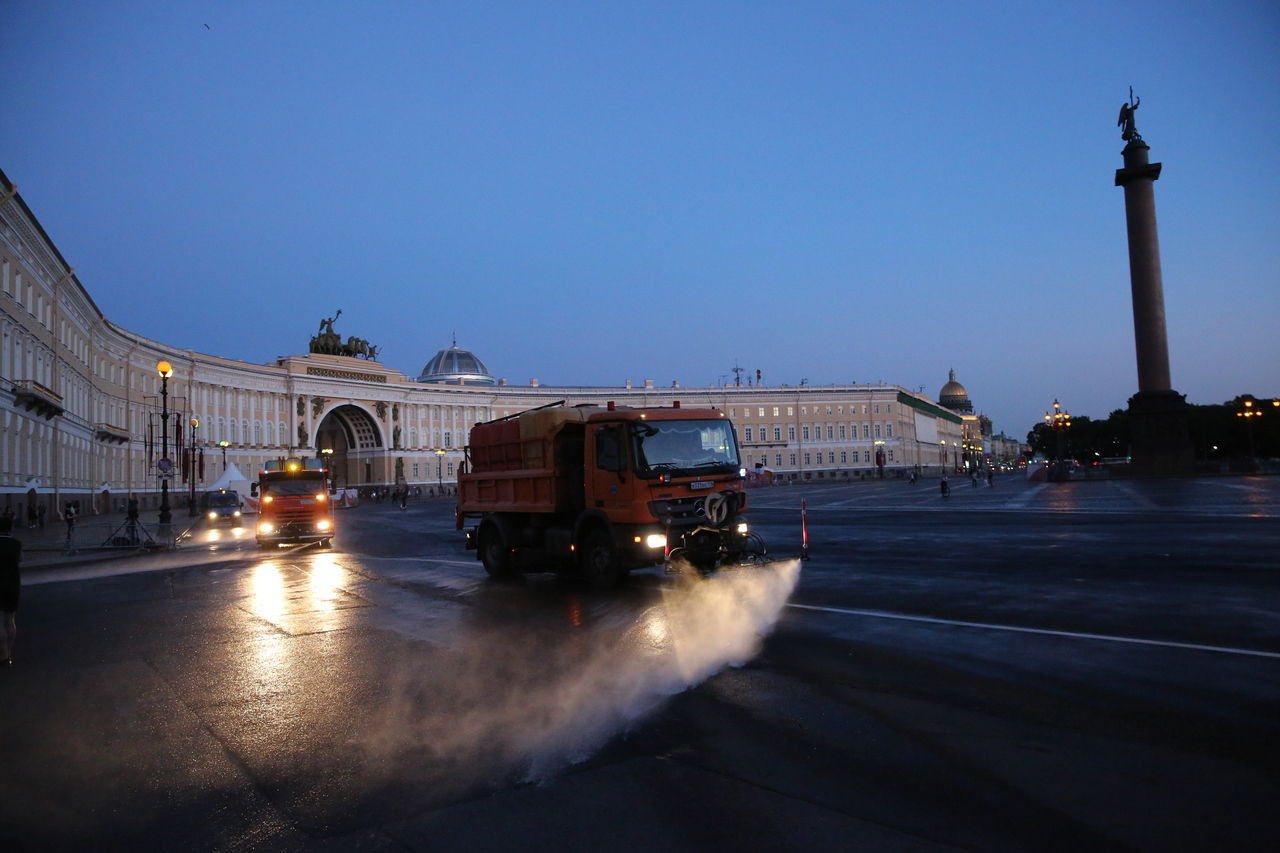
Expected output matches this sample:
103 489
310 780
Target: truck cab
294 503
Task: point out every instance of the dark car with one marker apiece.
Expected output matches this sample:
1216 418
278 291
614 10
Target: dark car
223 507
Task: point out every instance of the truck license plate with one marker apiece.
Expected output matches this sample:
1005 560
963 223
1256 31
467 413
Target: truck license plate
702 484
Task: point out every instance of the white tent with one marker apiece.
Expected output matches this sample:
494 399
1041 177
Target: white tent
231 479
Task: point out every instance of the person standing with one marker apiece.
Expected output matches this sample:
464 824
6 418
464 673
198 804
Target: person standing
69 516
10 587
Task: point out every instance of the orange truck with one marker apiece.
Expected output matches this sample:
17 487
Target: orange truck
294 503
601 490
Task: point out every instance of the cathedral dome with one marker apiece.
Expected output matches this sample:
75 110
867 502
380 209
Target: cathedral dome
954 396
456 366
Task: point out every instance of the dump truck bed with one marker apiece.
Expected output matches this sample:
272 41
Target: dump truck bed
513 465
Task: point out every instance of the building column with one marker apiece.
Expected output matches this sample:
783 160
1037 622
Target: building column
1161 444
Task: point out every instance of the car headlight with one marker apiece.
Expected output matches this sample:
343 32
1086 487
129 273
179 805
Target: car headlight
212 515
655 540
742 527
236 513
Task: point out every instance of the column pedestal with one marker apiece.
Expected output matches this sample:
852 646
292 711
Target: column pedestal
1160 440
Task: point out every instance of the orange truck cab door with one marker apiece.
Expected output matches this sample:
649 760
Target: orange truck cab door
611 484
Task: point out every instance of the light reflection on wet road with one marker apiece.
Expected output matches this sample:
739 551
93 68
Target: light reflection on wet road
330 692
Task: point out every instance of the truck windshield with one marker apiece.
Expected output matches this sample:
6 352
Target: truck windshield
685 447
295 486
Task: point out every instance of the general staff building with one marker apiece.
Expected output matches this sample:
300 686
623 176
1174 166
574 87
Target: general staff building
82 405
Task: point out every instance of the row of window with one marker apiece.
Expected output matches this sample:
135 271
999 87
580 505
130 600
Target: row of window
441 471
847 457
845 431
867 409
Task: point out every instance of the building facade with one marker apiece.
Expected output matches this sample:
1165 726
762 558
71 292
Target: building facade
83 407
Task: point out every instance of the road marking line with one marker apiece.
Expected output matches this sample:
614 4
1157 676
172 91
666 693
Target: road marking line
1263 511
881 614
1025 498
1233 486
1132 494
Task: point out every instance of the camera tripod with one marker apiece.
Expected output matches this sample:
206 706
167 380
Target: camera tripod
130 532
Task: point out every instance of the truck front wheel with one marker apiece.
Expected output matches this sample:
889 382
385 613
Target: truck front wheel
600 561
494 552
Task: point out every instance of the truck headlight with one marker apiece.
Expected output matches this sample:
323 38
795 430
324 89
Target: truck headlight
655 540
323 524
742 527
266 527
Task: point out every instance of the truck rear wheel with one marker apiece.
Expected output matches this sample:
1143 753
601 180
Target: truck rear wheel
494 552
600 563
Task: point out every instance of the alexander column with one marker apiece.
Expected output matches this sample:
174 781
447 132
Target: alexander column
1161 445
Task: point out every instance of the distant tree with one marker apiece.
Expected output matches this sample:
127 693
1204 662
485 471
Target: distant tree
1217 433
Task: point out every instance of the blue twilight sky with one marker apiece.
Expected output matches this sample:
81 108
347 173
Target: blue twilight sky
590 192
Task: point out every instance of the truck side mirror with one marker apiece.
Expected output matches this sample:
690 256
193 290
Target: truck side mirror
253 489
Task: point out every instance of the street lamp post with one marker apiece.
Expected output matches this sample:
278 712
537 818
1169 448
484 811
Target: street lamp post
223 444
439 475
1249 414
192 468
165 369
326 453
1059 422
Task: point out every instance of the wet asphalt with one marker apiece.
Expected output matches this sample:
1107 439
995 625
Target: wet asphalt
1074 666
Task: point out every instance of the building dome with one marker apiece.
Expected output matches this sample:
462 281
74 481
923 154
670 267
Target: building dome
456 366
953 396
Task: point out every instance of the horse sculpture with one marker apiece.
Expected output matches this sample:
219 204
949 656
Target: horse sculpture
327 342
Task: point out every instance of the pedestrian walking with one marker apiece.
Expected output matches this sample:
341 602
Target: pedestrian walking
32 516
991 477
404 497
69 516
40 514
10 588
944 486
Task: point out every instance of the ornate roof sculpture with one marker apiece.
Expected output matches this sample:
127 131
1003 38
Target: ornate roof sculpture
953 396
327 342
456 366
